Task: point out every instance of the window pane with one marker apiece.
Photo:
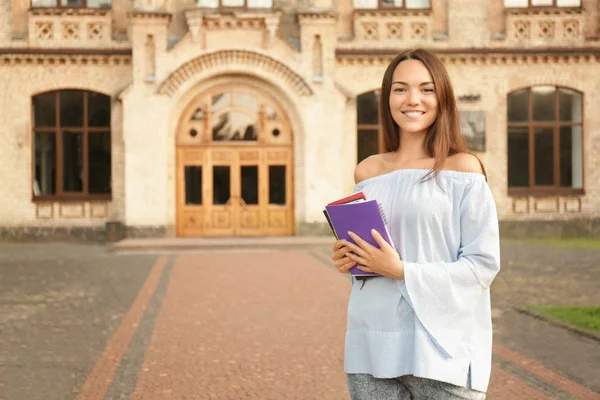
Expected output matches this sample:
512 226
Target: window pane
391 3
72 144
541 2
250 184
247 101
367 108
198 114
518 157
569 105
234 126
277 184
44 181
367 143
71 3
418 4
44 110
71 108
232 3
98 3
544 103
365 4
99 110
516 3
99 159
571 157
221 184
544 156
193 185
221 101
518 106
260 3
568 3
44 3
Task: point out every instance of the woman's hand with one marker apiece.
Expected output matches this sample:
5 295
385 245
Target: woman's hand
384 261
340 260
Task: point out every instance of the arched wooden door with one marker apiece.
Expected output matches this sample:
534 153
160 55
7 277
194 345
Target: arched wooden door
234 166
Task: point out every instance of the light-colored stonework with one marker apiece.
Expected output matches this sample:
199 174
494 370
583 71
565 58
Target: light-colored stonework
312 58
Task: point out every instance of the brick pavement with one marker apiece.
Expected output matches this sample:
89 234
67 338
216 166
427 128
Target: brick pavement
251 325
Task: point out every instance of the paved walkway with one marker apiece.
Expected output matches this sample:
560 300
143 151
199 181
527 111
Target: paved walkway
81 322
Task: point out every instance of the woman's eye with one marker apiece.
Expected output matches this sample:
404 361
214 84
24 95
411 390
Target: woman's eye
428 90
398 90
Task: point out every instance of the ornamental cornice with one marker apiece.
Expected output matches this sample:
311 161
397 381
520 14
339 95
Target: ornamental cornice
471 57
317 13
57 58
225 59
155 15
398 12
544 11
49 12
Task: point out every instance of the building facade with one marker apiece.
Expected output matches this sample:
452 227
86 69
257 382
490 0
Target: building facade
244 117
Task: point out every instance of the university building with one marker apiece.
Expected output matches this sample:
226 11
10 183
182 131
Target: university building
203 118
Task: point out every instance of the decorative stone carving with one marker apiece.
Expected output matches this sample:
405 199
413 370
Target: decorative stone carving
543 27
418 31
95 31
394 31
391 28
200 21
546 30
44 30
370 31
571 29
522 30
70 30
64 28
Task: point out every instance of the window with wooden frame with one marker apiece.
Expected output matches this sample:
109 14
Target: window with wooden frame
545 141
102 4
393 4
71 145
369 136
235 4
541 3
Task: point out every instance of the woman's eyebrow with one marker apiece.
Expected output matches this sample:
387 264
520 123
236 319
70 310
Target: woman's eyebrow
404 83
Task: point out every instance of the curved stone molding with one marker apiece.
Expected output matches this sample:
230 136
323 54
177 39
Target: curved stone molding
226 58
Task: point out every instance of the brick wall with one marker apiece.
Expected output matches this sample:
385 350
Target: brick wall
5 22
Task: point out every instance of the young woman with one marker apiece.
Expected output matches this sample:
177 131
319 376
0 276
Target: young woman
423 330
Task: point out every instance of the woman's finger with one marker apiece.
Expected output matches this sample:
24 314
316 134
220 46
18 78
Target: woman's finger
341 253
346 267
363 244
358 259
356 249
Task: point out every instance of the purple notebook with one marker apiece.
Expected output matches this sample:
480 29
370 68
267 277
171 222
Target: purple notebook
359 218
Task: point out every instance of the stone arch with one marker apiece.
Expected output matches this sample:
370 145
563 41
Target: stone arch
222 59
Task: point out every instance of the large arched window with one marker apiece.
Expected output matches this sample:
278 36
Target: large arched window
369 135
545 140
71 145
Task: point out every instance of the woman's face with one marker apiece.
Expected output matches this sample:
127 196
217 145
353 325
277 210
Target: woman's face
413 102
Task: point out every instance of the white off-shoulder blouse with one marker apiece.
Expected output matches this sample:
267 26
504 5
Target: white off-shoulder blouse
436 323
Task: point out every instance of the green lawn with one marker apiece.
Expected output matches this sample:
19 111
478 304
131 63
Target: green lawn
591 243
584 317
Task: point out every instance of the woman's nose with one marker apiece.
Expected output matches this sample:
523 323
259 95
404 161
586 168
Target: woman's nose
414 97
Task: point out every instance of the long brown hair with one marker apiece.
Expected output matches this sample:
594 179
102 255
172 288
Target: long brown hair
443 138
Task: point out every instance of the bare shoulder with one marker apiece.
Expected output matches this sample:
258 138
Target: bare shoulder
368 168
464 162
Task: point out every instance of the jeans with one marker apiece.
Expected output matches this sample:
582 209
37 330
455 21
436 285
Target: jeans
408 387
